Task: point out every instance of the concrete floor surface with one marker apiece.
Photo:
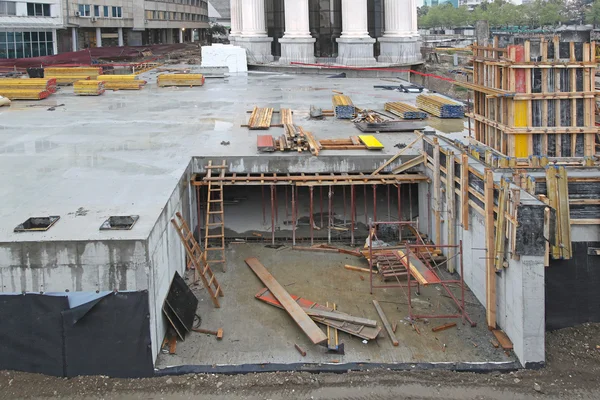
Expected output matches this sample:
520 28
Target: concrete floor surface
259 333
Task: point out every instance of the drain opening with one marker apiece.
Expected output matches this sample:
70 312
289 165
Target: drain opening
119 222
37 224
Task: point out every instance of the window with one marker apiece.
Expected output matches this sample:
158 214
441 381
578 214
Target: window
148 14
8 8
38 10
106 13
84 10
25 44
117 12
96 11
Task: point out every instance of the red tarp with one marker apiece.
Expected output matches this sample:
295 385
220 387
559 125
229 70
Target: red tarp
87 57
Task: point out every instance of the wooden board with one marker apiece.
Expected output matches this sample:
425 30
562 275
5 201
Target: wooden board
361 331
340 317
307 325
418 270
503 339
386 324
371 142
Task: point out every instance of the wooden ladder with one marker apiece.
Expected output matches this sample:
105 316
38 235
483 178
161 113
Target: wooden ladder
198 260
215 217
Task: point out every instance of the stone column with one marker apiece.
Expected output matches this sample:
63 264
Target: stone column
181 30
254 32
98 37
400 41
355 46
54 42
120 32
74 39
297 45
236 21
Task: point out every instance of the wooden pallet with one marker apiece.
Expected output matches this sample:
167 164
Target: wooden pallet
198 260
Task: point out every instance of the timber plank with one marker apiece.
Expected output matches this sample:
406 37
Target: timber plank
386 323
305 323
503 339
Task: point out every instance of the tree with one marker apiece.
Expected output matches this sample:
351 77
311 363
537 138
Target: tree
592 15
217 29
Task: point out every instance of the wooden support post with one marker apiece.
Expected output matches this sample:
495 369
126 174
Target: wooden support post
450 212
489 236
464 190
436 192
565 219
500 241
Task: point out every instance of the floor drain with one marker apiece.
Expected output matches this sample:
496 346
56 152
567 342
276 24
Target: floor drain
119 223
37 224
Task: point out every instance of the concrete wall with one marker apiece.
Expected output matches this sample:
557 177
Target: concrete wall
73 266
166 255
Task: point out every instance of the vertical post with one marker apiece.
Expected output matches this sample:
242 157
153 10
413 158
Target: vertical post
293 216
450 220
262 190
464 189
287 214
120 37
329 222
462 281
276 205
98 37
436 192
489 258
410 201
312 219
388 203
370 258
352 213
321 191
408 282
199 210
366 214
74 38
54 42
272 214
344 196
399 213
375 205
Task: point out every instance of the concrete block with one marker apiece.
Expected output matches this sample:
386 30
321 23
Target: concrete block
400 50
297 50
232 57
356 51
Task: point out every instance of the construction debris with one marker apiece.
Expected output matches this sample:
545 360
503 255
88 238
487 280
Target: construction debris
443 327
305 323
300 350
503 339
260 118
218 333
386 324
165 80
440 106
369 116
361 331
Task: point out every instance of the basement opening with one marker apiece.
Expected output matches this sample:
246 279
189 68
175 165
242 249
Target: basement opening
37 224
119 223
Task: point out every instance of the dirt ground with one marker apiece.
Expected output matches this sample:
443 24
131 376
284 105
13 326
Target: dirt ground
573 365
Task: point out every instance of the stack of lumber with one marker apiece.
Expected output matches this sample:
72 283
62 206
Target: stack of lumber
24 94
88 88
69 75
122 82
343 108
404 111
368 116
180 80
260 118
40 84
440 106
297 139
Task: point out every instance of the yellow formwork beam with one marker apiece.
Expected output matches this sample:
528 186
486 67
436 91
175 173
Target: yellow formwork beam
521 141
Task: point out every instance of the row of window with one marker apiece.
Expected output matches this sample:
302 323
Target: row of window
33 9
174 16
25 44
85 10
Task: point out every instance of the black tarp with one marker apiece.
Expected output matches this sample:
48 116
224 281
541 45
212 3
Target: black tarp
77 334
31 333
572 288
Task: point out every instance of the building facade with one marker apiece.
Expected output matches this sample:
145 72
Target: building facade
29 29
98 23
354 32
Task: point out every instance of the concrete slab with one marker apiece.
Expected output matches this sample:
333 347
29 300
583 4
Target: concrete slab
259 333
123 153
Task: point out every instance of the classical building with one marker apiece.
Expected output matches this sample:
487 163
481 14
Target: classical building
97 23
354 32
29 29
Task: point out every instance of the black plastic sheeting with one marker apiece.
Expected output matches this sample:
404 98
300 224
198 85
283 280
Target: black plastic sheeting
109 335
31 337
572 288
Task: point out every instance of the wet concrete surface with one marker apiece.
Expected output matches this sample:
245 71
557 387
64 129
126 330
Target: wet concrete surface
259 333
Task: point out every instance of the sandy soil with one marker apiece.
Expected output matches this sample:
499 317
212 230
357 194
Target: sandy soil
572 371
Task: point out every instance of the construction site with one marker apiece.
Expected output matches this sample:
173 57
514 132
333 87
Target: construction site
170 218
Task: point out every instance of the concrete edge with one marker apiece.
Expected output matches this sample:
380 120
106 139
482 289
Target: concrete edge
479 367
